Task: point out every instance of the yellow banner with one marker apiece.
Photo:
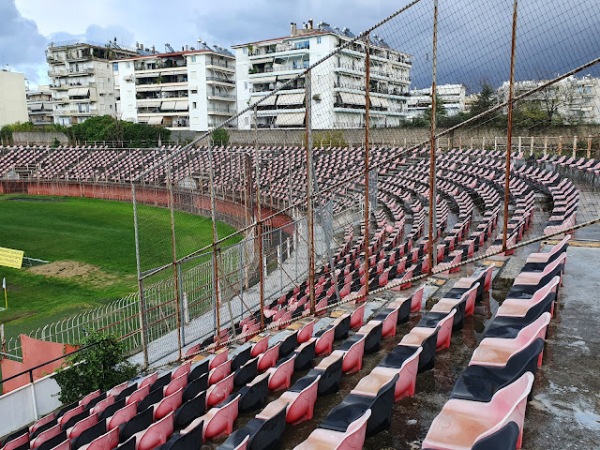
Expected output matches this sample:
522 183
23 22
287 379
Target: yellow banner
11 258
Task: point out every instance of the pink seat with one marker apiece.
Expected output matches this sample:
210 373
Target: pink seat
497 351
268 358
261 345
91 396
103 404
219 358
216 393
149 380
138 395
70 413
168 404
353 357
407 376
219 372
44 436
121 416
300 405
156 434
107 441
358 317
64 445
469 297
324 343
81 426
18 442
280 376
43 421
519 307
444 328
114 392
219 420
306 332
176 384
462 423
544 257
388 327
353 438
181 370
534 278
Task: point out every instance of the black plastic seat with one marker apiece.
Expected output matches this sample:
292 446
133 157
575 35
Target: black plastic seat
89 435
330 377
15 434
263 434
302 383
508 327
431 319
397 356
427 356
348 343
355 405
189 441
111 409
53 442
73 420
342 328
95 400
153 397
373 339
254 395
288 344
506 438
246 373
195 387
480 383
162 381
66 408
190 410
305 356
139 422
127 391
44 427
198 370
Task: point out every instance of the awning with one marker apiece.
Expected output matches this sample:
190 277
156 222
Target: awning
375 102
269 101
167 105
353 99
384 103
172 88
270 79
149 104
290 99
79 92
290 120
289 76
146 75
261 60
181 106
155 120
38 107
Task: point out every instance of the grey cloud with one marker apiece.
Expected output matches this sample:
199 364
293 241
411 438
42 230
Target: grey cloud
97 34
21 44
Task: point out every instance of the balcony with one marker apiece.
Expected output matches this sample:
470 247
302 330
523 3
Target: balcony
221 65
213 79
220 111
221 96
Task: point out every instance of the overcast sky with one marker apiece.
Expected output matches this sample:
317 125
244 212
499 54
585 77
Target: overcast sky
474 35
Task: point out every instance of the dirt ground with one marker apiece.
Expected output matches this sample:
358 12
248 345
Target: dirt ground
78 271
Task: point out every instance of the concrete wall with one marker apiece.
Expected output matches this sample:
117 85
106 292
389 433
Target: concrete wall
38 138
28 403
13 101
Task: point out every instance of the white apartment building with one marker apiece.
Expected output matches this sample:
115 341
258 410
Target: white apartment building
574 100
13 106
191 89
451 96
338 86
81 79
40 105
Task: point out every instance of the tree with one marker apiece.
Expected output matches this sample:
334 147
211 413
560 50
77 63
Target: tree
485 101
109 129
101 365
220 136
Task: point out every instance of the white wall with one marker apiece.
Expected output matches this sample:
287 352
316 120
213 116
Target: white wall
28 403
13 101
128 102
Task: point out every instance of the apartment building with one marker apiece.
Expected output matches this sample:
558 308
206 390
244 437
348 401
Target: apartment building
81 79
572 100
338 86
40 105
13 106
453 97
191 89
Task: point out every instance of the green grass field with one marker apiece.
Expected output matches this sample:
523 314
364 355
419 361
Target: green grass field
98 238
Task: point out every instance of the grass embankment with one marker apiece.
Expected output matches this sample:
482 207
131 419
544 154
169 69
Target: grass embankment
90 245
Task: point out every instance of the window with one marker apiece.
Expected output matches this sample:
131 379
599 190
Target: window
302 45
319 40
115 67
194 106
193 59
194 91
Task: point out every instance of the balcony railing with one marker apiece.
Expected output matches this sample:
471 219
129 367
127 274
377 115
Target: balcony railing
220 79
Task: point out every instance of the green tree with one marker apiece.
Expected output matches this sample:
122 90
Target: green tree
220 136
101 365
486 99
123 133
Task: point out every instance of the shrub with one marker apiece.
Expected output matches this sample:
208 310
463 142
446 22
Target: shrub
220 136
101 365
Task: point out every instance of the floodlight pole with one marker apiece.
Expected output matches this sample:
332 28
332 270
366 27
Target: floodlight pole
367 215
142 305
175 264
433 144
509 127
259 224
309 194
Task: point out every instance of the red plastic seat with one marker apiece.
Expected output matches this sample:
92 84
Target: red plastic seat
324 343
138 395
168 404
216 393
156 434
300 405
462 423
176 384
81 426
219 420
280 376
107 441
219 372
268 358
353 438
121 416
